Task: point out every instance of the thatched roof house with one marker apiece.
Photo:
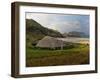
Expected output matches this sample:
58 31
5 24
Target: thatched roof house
50 42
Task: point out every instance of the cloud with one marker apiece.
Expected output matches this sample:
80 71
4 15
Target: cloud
62 23
43 19
68 26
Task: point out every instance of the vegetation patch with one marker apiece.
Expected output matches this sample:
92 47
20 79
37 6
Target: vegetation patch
78 54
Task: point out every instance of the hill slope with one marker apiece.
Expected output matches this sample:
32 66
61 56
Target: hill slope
76 34
35 32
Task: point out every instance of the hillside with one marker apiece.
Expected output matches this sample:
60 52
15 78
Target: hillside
75 34
35 32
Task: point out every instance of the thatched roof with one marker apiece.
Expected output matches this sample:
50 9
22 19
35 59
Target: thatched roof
50 42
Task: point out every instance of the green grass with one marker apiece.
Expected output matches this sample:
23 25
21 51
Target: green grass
78 54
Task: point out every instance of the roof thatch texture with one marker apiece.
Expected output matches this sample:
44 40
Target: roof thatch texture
50 42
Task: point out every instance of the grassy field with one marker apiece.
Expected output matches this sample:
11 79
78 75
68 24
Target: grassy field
74 54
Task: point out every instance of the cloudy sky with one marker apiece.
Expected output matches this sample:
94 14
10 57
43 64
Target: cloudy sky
62 22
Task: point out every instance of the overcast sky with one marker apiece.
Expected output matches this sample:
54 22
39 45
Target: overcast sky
62 22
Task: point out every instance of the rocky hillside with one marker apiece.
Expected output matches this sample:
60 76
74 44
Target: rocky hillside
35 32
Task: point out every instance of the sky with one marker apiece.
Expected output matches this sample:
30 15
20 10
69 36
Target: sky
63 23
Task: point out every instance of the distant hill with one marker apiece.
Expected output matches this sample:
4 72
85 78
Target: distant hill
65 34
36 28
35 32
75 34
